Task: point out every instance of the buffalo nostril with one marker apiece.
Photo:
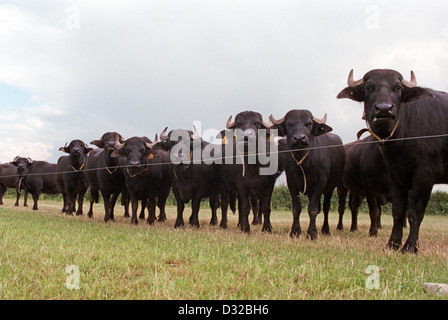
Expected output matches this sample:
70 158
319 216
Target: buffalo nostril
384 107
134 163
300 137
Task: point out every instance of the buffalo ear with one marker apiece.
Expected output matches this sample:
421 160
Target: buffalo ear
415 93
354 93
320 128
281 128
87 150
64 149
117 153
97 143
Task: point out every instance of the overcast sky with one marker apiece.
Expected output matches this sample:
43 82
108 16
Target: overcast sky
77 69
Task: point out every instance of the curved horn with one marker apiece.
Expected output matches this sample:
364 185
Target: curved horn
321 121
195 133
15 159
412 83
352 82
156 139
29 160
267 125
163 135
273 121
230 124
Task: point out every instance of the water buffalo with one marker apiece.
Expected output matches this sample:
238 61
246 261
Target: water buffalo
104 173
191 178
365 176
142 177
37 177
244 176
10 179
310 169
71 175
399 113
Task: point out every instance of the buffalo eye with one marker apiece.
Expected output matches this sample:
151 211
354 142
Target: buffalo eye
398 88
369 87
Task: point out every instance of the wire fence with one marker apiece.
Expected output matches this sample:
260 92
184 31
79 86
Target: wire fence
223 158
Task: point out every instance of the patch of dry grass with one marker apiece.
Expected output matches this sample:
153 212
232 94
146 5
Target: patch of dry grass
120 261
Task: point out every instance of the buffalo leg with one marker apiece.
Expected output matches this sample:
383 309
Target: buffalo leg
35 200
354 204
313 210
180 210
326 209
93 199
17 197
80 202
255 210
25 199
244 213
225 199
214 204
194 218
374 215
142 211
134 208
71 199
151 207
266 211
418 200
107 207
399 204
342 197
296 210
113 200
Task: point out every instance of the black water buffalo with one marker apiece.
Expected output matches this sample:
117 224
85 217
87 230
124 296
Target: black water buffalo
10 179
191 178
365 176
142 176
243 173
37 177
71 175
398 113
310 169
104 173
161 159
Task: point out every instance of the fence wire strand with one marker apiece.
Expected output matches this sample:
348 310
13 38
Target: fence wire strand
223 158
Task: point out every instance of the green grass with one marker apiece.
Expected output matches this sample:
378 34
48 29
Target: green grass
120 261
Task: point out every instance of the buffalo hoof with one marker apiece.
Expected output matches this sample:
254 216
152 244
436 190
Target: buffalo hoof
393 245
126 215
340 227
295 233
194 224
223 225
326 230
69 213
311 235
267 228
178 223
409 248
134 221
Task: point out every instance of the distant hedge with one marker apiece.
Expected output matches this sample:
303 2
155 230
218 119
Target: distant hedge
281 201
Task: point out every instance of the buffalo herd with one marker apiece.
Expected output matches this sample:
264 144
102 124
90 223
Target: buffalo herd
404 156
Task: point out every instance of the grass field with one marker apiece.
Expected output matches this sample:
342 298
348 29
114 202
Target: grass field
41 253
